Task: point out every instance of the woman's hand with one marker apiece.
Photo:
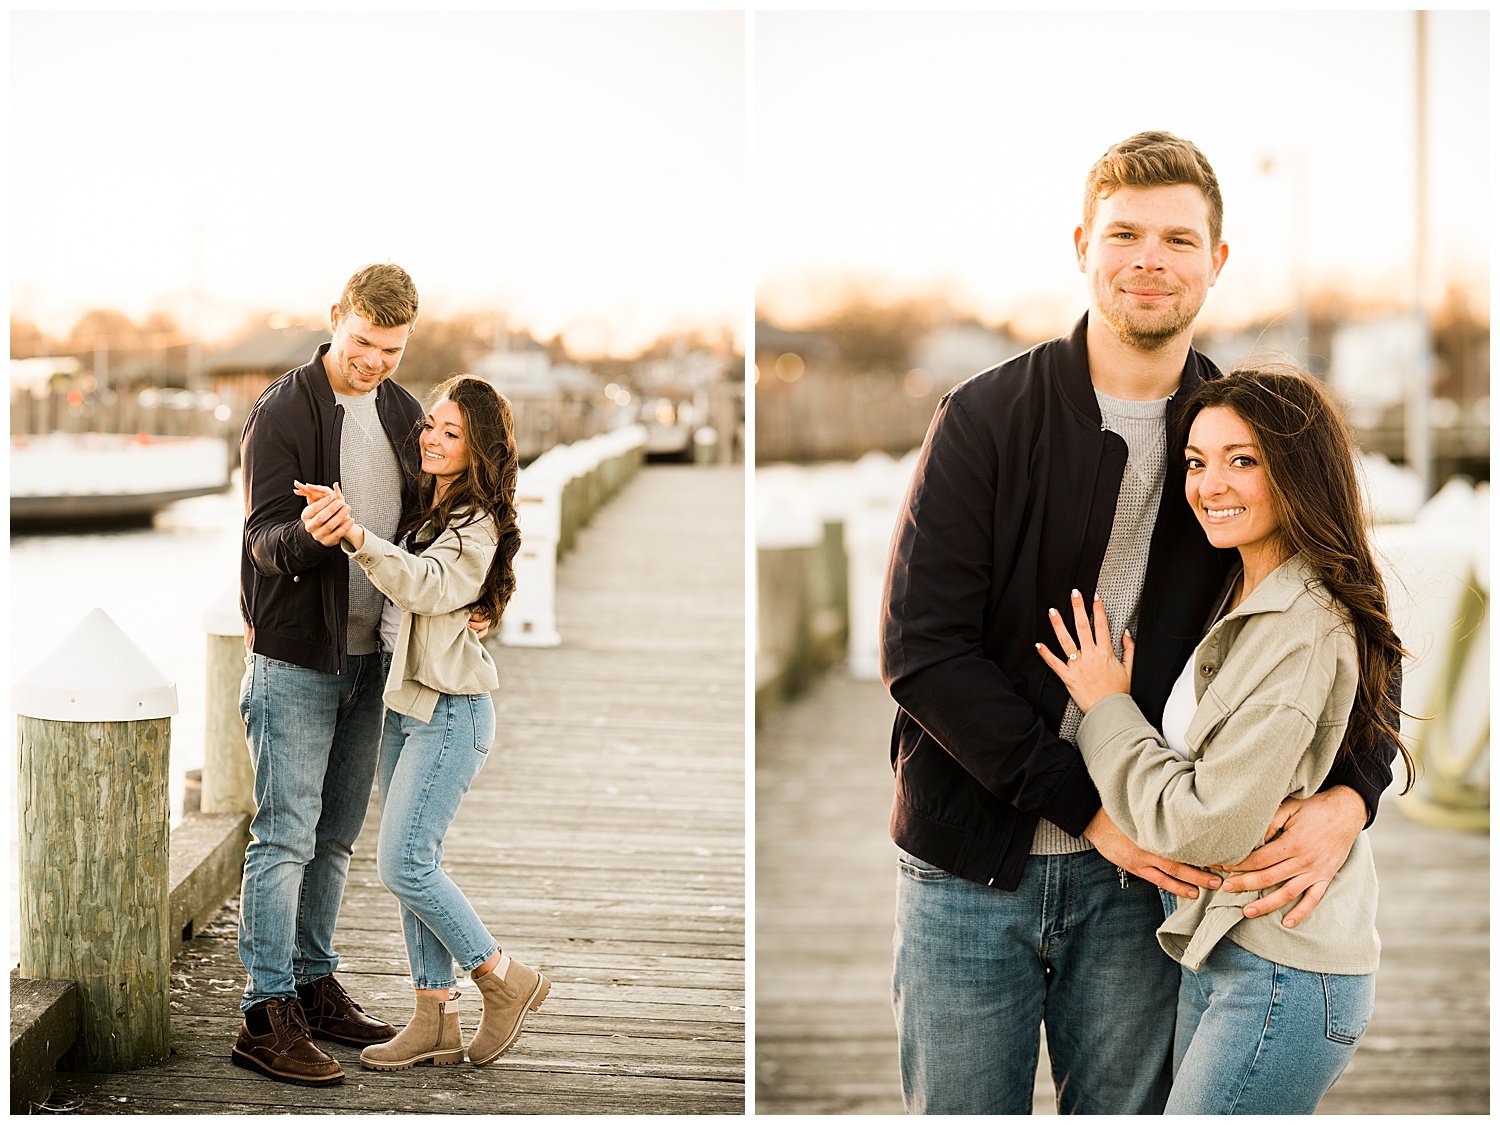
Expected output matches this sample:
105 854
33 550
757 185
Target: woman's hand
1090 670
327 516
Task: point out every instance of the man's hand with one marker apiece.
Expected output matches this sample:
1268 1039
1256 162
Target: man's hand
1180 878
1306 844
480 623
326 517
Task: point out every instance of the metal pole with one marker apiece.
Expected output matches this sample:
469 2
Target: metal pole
1419 388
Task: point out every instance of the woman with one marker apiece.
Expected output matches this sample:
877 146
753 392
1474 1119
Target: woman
440 722
1300 650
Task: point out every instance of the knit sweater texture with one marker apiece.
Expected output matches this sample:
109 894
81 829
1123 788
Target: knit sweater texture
1122 575
374 495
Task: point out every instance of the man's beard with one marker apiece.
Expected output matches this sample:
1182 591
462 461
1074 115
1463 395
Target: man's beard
1147 334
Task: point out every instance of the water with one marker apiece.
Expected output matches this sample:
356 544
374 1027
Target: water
155 583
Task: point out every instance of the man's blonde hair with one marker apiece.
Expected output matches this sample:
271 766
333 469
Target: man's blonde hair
1154 159
383 294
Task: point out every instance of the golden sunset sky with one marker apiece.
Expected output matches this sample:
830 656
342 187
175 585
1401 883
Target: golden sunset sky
949 149
583 172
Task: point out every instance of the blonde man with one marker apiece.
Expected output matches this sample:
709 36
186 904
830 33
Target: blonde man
311 696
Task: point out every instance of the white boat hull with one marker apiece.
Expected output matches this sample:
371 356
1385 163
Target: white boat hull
58 478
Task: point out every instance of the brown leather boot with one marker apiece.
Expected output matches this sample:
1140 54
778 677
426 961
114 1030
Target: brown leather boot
432 1036
332 1015
274 1041
510 990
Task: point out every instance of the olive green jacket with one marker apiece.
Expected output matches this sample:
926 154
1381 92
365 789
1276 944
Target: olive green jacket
1275 680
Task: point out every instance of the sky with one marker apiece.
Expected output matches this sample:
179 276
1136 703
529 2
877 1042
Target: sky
582 173
949 150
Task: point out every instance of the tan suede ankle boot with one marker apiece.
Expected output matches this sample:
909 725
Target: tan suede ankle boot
432 1036
509 990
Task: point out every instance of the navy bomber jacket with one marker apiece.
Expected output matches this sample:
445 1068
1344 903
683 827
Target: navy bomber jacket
1009 509
294 592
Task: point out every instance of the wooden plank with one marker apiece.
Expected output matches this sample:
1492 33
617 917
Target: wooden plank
825 900
603 842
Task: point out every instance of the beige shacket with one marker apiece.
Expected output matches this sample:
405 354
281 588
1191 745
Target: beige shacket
1275 681
436 651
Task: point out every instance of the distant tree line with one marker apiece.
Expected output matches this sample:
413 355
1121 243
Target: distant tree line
438 348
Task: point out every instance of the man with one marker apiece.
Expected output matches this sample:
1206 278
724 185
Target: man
1055 471
312 695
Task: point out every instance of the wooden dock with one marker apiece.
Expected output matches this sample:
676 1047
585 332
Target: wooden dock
603 842
825 899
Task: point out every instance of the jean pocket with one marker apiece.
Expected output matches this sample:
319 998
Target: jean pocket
919 868
246 683
1350 1001
484 722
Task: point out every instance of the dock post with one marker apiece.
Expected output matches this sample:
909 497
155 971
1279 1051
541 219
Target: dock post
530 620
228 775
94 736
877 485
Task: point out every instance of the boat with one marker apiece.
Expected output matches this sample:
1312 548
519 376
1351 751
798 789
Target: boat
95 478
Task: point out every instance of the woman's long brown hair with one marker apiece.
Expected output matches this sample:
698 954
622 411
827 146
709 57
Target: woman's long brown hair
1309 456
487 486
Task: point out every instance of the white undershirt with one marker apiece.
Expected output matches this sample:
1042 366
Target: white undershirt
390 613
1183 701
1179 713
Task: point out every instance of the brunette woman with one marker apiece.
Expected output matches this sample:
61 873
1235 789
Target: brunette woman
1294 670
452 559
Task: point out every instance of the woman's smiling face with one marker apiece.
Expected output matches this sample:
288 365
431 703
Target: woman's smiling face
1229 489
445 452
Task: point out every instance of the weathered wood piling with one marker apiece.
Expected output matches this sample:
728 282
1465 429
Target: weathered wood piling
228 776
94 739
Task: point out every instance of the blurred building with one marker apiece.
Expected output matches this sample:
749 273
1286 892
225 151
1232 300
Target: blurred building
1371 362
812 404
239 371
952 352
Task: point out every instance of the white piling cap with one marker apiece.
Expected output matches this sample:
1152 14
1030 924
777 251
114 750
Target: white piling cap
95 674
221 617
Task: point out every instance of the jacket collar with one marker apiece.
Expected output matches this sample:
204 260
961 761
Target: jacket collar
1073 369
1078 386
317 376
1278 590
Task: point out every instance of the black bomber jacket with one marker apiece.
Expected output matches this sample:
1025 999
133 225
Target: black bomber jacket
294 592
1009 509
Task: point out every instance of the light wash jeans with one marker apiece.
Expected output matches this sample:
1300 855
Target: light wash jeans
425 770
1257 1037
313 742
978 971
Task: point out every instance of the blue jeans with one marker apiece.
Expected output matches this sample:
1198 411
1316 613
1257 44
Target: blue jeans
1257 1037
425 770
313 741
978 971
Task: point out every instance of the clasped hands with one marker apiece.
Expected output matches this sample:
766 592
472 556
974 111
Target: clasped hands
328 519
1304 846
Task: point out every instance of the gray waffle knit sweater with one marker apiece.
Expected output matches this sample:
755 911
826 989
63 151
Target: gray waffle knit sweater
1123 572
